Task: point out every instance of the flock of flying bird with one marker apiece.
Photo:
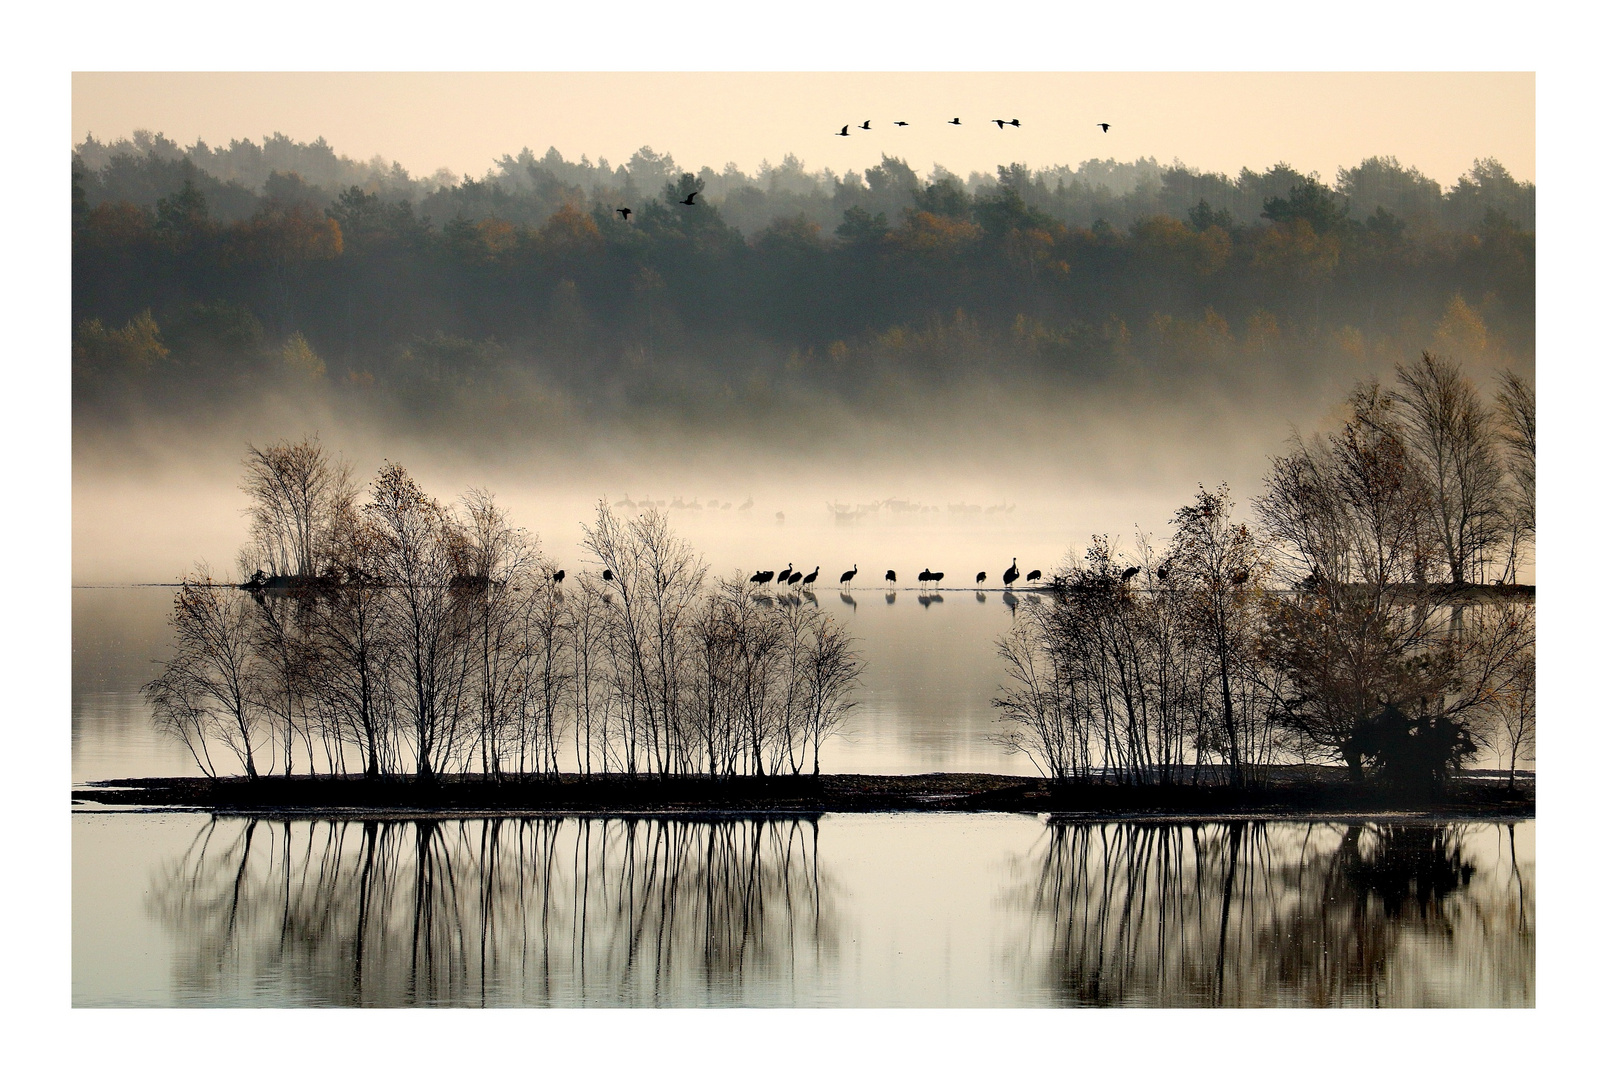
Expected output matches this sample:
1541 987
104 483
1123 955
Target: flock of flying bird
690 200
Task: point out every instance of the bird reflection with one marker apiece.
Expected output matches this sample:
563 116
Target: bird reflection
981 597
848 598
532 911
928 599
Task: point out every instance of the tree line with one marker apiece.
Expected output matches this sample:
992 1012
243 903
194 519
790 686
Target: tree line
400 635
1343 623
349 290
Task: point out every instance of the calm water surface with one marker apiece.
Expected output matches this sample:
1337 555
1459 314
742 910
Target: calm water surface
843 910
849 910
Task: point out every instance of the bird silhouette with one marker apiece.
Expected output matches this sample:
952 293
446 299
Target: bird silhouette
983 576
900 123
937 577
558 577
608 575
747 505
624 212
688 200
1014 124
783 575
1035 575
848 575
1160 575
797 576
891 578
1103 127
1011 574
865 126
757 578
923 577
844 131
1129 574
809 579
956 120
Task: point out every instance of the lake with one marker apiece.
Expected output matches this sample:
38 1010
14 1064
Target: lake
837 910
931 910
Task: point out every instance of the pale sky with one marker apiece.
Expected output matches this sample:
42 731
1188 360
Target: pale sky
1439 122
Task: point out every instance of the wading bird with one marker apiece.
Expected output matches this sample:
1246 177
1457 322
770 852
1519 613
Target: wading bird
1035 575
1129 574
624 212
923 577
782 576
937 578
810 578
688 200
1011 574
983 576
759 577
892 578
848 575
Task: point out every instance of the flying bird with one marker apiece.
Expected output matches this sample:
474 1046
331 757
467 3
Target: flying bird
844 131
956 120
1007 123
900 123
624 212
1103 127
688 200
865 126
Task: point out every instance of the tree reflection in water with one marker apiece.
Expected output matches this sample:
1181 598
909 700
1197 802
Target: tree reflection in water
527 911
1264 913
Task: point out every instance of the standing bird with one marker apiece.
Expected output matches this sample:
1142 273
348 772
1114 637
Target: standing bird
844 131
688 200
558 577
797 576
1011 574
865 126
624 212
900 123
1103 127
758 577
810 579
923 577
1035 575
937 578
891 578
782 576
848 575
1129 574
983 576
956 120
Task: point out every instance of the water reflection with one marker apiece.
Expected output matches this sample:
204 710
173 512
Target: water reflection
530 911
928 599
848 598
1257 913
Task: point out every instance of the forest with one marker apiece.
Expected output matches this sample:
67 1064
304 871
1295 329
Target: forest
234 273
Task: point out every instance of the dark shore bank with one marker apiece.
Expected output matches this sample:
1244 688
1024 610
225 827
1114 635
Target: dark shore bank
1293 791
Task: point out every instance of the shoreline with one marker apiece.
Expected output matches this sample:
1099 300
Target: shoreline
1290 792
